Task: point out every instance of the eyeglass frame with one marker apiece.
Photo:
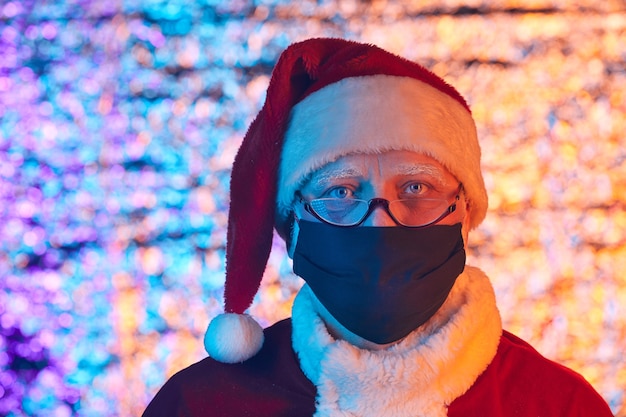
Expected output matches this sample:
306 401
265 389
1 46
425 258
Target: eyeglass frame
372 204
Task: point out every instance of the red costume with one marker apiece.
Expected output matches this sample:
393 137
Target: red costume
518 382
497 374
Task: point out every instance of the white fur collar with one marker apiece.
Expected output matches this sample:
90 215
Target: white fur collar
419 376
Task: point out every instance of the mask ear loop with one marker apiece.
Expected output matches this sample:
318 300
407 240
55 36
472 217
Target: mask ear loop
294 222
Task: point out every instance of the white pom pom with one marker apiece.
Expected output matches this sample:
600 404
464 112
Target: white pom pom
233 338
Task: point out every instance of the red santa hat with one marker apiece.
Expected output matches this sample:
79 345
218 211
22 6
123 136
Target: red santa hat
328 98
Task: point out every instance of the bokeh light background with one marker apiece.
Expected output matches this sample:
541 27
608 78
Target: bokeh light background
119 123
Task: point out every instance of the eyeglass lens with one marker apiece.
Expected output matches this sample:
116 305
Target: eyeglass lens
413 212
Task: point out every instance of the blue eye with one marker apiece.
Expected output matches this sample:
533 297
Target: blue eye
415 188
339 192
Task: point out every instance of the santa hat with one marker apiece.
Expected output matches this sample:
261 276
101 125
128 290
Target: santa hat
328 98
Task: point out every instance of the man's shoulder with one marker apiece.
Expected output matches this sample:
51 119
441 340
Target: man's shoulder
521 381
525 364
516 354
270 381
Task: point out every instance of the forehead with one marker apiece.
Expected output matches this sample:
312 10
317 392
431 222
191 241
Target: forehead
390 164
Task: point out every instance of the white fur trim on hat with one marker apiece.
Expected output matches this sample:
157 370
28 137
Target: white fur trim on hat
374 114
233 338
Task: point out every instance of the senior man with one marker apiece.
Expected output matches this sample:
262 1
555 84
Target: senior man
368 165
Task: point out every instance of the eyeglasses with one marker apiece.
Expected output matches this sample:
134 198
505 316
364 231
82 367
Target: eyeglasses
415 212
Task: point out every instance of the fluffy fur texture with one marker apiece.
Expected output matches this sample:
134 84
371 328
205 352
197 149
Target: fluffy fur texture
374 114
419 376
233 338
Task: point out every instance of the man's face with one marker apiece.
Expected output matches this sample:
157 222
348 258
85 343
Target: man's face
392 175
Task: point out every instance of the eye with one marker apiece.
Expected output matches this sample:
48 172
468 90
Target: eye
338 192
415 189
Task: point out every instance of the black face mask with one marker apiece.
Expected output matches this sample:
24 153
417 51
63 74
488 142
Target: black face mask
380 283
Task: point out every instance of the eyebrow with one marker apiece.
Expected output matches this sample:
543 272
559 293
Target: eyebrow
320 178
420 169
